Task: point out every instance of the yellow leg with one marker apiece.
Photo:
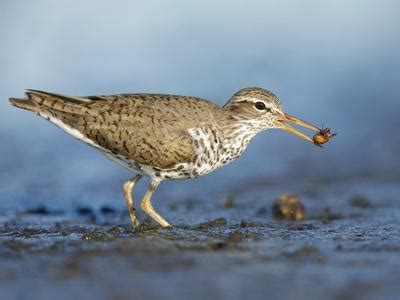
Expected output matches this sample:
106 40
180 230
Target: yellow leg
149 209
128 186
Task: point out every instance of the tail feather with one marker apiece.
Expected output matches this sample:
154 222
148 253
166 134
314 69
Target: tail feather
24 104
41 96
71 111
56 103
57 108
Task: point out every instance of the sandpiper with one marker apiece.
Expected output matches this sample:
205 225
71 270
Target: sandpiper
164 136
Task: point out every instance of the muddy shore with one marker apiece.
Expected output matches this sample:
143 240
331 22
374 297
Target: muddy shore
347 247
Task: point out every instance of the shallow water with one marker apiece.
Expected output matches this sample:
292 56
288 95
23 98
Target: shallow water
346 248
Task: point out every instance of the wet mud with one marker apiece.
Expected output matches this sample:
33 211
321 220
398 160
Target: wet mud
346 246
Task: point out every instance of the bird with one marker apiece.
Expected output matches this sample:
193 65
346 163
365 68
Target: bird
161 136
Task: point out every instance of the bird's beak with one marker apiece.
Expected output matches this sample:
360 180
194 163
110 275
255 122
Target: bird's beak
288 118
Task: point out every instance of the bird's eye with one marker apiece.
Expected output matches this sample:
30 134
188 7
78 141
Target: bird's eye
260 105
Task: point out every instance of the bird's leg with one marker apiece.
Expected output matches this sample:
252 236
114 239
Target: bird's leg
128 186
149 209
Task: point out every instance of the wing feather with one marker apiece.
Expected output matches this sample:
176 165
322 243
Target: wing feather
150 129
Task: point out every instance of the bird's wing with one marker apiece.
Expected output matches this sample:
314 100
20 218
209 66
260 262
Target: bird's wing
150 129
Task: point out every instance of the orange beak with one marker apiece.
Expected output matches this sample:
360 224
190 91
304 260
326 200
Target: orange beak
288 118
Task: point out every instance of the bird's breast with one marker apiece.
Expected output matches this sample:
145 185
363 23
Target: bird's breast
214 149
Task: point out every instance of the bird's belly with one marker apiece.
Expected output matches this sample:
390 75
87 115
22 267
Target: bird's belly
179 171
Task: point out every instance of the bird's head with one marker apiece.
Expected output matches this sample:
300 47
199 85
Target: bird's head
262 110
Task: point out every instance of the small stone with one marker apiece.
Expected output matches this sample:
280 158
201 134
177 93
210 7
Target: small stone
288 207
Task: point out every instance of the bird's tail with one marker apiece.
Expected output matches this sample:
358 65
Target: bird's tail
24 104
64 111
38 101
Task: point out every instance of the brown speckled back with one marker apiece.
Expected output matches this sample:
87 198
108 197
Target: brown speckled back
150 129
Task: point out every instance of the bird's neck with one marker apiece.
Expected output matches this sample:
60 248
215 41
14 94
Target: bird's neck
237 134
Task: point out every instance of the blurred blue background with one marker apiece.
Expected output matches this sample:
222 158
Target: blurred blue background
334 63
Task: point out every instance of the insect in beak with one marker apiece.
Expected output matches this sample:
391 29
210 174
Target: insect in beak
290 119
